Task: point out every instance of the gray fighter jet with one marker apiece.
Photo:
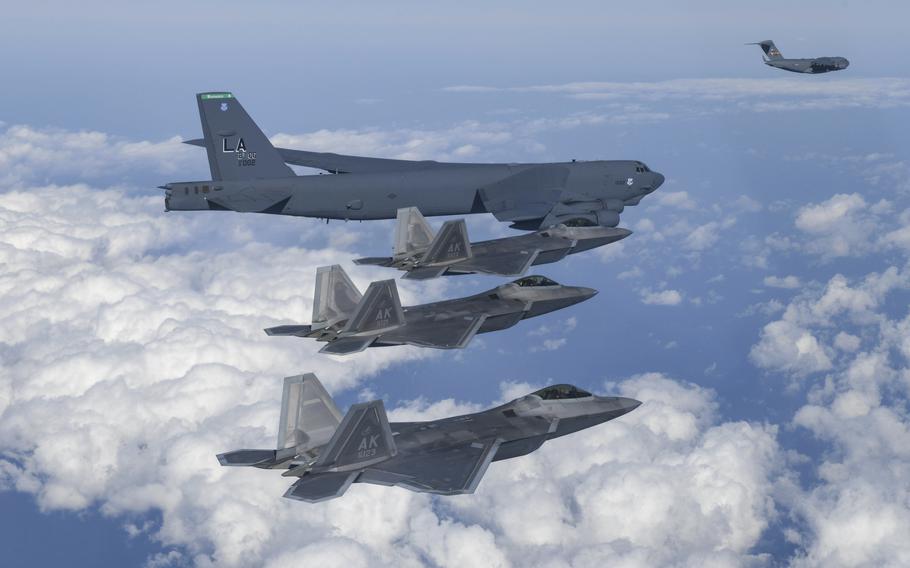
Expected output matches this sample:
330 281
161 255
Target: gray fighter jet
250 175
350 322
422 255
447 457
811 66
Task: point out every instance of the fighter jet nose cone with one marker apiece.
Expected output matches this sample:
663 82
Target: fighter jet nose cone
588 292
622 233
629 404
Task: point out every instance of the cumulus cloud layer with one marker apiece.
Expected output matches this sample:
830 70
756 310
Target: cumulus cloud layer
859 513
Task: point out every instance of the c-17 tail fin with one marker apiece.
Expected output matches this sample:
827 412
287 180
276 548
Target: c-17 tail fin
237 149
769 48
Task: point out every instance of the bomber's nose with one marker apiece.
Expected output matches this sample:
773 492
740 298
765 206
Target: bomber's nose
844 64
657 181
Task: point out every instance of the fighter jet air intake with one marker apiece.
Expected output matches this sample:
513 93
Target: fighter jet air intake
327 453
351 322
250 175
774 58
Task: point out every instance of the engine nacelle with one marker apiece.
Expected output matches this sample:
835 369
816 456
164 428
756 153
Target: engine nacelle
614 205
607 218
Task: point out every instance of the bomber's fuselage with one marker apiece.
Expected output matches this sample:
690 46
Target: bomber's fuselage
438 189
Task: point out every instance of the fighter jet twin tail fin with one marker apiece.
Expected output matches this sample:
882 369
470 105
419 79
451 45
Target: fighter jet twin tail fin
338 301
414 240
328 451
309 418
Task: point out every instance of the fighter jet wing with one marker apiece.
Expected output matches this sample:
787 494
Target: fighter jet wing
436 332
503 264
448 471
347 345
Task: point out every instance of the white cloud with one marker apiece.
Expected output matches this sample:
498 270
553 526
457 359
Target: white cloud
786 282
758 95
661 297
843 225
857 513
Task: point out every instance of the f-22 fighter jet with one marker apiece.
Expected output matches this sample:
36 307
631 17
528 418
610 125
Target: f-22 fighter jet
812 66
350 322
251 175
447 457
423 255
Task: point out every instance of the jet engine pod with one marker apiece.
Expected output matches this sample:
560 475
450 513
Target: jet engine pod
614 205
607 218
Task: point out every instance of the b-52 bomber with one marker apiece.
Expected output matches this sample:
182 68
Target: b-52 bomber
423 255
812 66
250 175
350 322
327 453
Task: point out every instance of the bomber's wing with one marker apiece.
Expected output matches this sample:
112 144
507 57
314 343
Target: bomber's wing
449 471
438 332
527 195
342 164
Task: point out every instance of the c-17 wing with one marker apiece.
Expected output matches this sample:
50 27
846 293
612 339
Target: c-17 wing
342 164
448 471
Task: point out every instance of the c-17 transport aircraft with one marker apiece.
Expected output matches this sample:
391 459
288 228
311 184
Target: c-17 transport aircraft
812 66
250 175
447 457
350 322
422 255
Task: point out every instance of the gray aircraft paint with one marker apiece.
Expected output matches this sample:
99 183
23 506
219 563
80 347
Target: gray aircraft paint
814 66
421 254
250 175
445 457
379 320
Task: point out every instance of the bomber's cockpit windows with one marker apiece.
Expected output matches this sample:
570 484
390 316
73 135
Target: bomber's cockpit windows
558 392
641 167
534 281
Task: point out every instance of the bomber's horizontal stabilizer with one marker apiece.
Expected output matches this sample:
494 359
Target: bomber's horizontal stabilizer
314 488
292 330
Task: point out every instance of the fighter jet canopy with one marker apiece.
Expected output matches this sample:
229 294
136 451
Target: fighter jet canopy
535 281
558 392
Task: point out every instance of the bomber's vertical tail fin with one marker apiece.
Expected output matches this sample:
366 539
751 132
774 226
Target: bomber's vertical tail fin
450 245
770 49
336 296
237 148
378 311
309 416
412 233
363 439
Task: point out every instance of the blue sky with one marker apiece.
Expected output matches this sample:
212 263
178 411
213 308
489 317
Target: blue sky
759 309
